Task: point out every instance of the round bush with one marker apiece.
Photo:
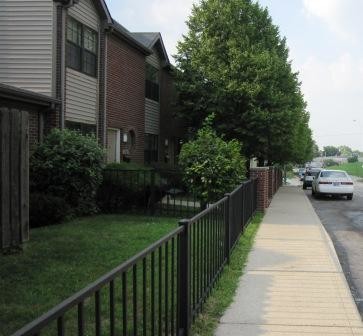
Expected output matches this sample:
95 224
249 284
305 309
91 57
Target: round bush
47 210
211 166
68 165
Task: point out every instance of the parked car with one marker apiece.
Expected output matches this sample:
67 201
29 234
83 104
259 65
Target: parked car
333 182
301 173
310 175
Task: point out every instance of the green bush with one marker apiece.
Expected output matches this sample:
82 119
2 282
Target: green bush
330 163
68 165
47 209
211 165
127 166
353 159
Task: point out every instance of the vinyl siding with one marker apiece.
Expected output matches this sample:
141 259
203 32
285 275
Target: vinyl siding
85 12
153 59
82 90
26 44
81 97
152 115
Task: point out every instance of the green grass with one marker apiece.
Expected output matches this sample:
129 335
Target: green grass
223 294
60 260
355 169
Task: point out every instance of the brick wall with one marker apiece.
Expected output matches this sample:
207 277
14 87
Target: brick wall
262 175
33 129
125 102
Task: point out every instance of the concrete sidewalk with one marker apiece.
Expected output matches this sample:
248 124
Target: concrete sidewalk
293 283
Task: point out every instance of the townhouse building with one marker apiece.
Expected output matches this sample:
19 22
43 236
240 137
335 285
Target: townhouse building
57 48
104 79
141 126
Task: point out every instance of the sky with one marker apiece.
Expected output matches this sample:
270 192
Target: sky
326 48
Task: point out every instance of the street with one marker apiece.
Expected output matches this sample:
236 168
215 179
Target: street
343 220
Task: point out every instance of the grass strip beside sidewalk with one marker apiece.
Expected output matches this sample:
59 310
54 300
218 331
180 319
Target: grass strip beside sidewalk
225 289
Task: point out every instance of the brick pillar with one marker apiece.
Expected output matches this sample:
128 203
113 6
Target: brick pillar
262 175
270 182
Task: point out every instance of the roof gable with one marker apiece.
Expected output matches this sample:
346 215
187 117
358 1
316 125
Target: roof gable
153 40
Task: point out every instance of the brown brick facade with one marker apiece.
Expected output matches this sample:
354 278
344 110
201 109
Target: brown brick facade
125 102
262 175
269 180
34 133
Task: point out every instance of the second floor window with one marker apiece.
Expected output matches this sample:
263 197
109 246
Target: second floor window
81 47
152 83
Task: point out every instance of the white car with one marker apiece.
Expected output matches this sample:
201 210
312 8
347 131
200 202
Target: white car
333 182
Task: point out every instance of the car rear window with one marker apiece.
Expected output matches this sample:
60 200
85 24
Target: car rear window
333 174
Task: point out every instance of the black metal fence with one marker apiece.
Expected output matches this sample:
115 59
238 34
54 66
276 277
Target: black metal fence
162 289
160 192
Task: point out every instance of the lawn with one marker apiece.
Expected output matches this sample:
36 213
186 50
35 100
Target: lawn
60 260
355 169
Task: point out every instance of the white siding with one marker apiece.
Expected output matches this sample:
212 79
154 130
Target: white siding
26 44
152 116
81 97
82 90
85 12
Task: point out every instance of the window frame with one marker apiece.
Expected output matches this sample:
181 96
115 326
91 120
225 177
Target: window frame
152 85
83 51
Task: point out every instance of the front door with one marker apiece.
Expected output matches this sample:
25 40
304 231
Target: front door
113 145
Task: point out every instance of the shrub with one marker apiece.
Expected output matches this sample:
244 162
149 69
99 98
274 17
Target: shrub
211 165
127 166
47 209
353 159
68 165
330 163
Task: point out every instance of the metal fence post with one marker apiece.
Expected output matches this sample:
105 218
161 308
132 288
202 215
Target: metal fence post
227 229
184 317
152 192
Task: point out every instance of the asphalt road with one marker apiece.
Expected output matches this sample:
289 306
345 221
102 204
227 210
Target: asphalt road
343 220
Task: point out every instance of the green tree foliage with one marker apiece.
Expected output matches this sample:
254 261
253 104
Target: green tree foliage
211 165
233 62
331 151
316 150
345 151
330 163
68 166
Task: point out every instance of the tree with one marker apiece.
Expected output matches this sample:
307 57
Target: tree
331 151
345 151
316 150
233 63
211 166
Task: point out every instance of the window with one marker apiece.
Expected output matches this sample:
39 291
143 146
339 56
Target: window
152 83
81 48
85 129
151 148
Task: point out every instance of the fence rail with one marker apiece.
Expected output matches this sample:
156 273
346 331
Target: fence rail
162 289
161 192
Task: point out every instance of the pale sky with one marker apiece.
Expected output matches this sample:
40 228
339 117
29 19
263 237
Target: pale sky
326 48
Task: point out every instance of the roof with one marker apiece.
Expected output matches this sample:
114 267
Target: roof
26 96
124 34
99 4
150 40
